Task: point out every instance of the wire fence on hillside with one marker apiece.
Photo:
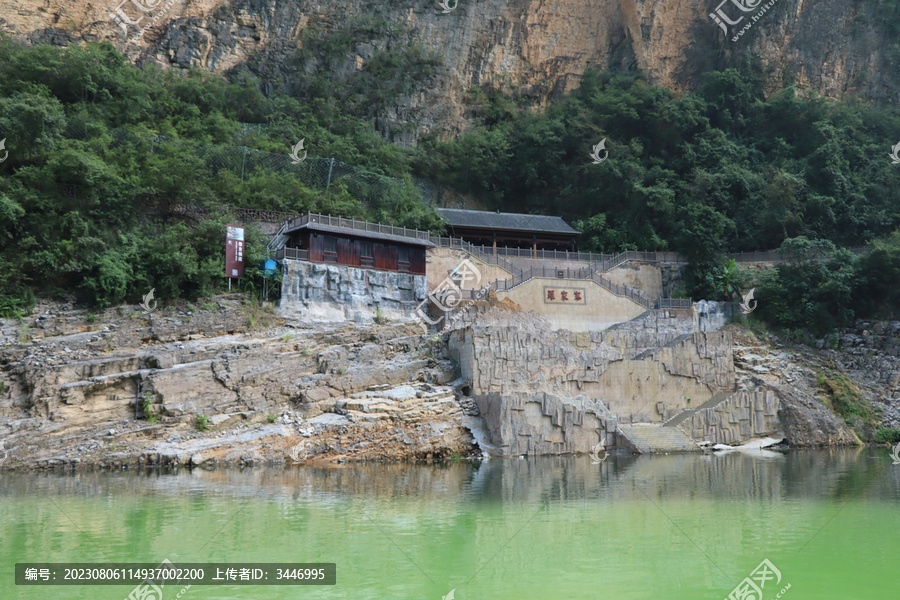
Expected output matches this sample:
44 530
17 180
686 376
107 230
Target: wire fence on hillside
372 189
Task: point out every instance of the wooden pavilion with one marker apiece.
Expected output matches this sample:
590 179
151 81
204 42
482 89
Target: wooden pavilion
510 230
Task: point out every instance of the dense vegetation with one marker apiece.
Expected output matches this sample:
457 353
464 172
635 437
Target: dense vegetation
721 170
86 189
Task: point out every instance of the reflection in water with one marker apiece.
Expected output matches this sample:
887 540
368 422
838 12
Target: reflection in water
677 526
828 473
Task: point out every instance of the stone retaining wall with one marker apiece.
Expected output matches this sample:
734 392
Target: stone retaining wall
740 417
528 379
546 424
338 291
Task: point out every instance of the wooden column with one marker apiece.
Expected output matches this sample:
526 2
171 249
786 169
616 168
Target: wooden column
534 246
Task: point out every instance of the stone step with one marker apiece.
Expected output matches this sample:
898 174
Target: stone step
679 418
650 439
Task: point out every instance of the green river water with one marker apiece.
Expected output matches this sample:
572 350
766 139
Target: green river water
655 527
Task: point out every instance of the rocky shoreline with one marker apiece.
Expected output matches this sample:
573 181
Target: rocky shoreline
112 390
229 383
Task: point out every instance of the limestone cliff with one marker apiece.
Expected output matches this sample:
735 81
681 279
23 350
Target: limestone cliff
536 48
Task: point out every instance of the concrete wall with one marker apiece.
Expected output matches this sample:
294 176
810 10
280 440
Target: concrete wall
440 261
641 276
597 309
337 292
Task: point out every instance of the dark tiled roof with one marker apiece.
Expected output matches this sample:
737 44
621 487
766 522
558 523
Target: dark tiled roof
363 234
456 217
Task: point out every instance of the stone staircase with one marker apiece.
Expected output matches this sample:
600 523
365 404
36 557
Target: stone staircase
670 344
687 413
655 439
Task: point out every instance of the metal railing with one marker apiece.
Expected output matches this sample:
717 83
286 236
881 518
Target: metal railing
600 262
621 290
674 303
358 225
291 254
478 251
278 240
593 274
578 274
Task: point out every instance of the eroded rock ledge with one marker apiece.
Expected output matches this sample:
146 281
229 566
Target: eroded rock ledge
114 389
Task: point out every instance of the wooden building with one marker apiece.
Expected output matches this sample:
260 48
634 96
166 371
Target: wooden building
335 240
510 230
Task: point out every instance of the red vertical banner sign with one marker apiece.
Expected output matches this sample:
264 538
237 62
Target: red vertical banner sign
234 251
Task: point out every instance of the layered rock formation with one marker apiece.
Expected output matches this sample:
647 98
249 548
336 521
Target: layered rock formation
113 387
538 49
79 387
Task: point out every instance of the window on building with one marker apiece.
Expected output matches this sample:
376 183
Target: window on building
331 245
365 250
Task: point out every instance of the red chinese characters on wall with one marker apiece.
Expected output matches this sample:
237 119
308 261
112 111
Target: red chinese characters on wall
563 295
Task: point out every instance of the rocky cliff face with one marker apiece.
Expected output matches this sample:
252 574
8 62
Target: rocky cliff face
536 48
112 387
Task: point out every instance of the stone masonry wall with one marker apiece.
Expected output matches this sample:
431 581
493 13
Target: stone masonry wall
347 292
527 379
543 423
740 417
